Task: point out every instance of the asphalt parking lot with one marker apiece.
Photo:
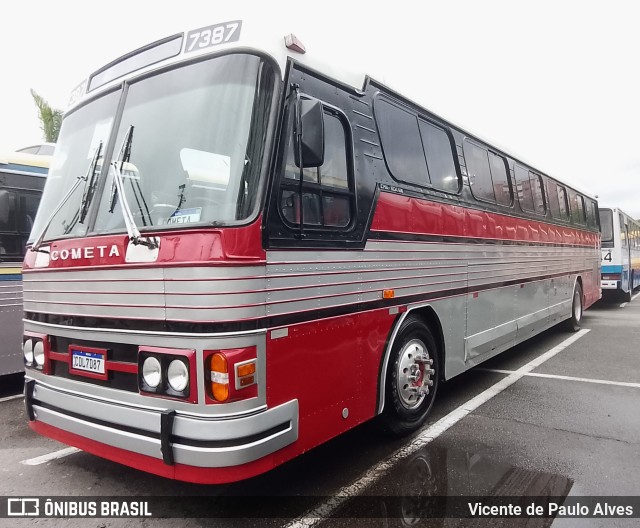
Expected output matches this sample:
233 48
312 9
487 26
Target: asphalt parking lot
557 415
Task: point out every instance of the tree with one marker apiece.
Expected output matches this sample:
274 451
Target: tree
50 118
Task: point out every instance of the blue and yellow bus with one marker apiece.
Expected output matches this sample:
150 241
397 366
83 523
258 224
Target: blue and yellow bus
620 252
22 178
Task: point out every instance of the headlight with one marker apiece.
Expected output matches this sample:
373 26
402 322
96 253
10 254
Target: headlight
38 353
178 375
151 372
27 350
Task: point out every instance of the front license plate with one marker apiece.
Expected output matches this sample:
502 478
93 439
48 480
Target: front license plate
88 362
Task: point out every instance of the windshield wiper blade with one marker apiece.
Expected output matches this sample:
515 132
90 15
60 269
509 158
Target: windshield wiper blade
118 181
82 178
123 156
90 184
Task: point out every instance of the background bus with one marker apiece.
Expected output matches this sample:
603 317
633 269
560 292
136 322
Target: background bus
620 252
240 254
22 178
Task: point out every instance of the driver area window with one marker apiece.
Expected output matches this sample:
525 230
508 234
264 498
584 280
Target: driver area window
327 198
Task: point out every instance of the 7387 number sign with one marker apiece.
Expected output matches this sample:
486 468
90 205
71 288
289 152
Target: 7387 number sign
205 37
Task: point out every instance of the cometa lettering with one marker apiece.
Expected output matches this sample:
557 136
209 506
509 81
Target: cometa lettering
88 252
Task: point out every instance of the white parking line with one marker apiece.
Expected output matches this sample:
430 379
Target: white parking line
570 378
634 297
49 457
623 304
8 398
320 513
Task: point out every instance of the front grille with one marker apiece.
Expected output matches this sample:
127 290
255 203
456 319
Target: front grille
125 353
116 351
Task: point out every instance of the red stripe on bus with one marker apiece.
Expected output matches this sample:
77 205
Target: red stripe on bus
404 214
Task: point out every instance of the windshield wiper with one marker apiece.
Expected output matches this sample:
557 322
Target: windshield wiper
82 178
90 185
123 157
118 189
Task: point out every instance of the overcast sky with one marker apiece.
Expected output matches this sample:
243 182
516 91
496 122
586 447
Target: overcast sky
554 83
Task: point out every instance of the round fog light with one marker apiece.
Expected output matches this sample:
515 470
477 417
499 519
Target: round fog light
38 353
27 350
178 375
151 372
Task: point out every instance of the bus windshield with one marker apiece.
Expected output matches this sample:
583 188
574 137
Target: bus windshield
606 224
195 153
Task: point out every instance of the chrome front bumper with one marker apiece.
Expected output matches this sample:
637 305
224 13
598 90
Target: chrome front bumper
175 437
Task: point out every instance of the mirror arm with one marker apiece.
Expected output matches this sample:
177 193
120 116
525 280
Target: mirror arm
298 120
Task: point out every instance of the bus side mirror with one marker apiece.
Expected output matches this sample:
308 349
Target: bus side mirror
311 135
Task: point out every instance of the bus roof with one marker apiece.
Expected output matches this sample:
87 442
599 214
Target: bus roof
270 39
23 162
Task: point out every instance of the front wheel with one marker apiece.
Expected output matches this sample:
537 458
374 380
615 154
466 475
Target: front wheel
412 378
575 322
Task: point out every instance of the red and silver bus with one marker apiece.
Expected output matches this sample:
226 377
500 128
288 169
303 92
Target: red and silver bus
240 255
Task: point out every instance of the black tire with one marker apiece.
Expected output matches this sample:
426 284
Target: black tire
414 345
626 296
574 323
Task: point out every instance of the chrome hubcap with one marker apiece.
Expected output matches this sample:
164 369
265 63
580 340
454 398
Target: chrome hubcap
414 374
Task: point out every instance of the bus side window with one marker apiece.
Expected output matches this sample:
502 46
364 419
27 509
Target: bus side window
9 238
524 189
477 161
487 174
499 178
401 145
538 193
562 200
28 209
438 151
577 208
7 211
591 214
416 151
623 232
553 198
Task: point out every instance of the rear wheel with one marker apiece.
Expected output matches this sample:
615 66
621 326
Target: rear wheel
412 378
575 322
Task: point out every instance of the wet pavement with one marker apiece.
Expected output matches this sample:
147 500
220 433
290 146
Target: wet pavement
570 429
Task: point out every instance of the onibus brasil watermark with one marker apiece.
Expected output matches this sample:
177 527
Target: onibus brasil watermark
65 507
